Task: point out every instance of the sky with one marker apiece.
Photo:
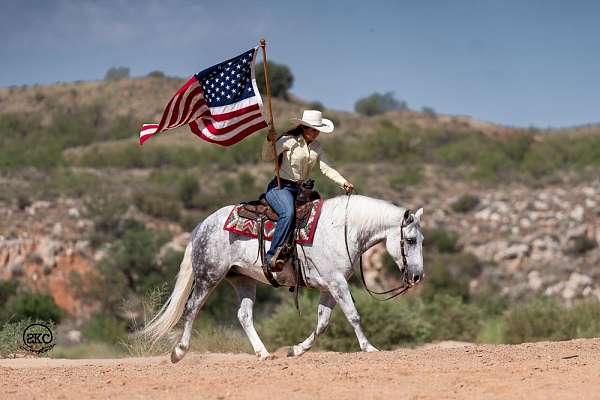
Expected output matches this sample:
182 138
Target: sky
515 62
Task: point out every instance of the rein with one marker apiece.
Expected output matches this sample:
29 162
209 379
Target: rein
400 289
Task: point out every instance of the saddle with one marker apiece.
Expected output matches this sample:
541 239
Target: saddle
260 209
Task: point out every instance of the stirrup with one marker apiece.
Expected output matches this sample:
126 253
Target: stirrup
268 271
279 259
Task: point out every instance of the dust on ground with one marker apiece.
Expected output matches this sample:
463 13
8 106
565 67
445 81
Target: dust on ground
565 370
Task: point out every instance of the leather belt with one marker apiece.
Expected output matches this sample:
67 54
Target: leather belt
289 182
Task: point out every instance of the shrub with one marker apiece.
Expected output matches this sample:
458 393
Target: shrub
429 112
441 240
465 203
408 176
280 77
27 305
154 203
582 244
187 190
131 267
104 328
377 104
116 73
316 105
7 290
156 74
452 319
546 319
449 274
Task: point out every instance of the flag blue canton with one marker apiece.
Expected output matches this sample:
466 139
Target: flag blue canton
229 81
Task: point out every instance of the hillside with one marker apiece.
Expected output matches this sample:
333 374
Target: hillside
509 212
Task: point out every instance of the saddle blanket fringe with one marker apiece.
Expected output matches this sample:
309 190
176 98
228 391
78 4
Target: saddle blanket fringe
249 227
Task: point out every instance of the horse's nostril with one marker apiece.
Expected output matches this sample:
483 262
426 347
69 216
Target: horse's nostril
416 278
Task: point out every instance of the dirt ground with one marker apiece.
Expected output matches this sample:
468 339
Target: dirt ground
545 370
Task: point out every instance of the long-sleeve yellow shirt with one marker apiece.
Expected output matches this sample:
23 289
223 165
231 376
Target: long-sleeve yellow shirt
299 158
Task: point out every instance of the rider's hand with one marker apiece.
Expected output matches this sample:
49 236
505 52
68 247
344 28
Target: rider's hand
348 187
272 136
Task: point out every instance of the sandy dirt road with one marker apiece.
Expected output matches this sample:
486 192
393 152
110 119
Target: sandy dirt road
545 370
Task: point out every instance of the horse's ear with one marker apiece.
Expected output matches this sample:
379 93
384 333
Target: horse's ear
419 213
406 214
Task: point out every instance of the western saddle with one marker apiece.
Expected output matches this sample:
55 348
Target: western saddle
260 211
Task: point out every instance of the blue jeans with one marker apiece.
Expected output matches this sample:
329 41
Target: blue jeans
282 201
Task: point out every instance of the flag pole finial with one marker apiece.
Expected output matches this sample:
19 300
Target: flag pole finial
263 45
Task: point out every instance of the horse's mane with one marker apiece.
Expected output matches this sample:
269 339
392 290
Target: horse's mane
368 211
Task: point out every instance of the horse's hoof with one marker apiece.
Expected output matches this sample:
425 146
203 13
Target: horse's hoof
295 351
370 349
178 353
265 356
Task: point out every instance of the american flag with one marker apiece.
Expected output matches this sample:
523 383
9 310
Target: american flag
220 104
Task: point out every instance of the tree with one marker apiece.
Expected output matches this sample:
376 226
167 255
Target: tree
116 73
378 103
429 112
281 79
156 74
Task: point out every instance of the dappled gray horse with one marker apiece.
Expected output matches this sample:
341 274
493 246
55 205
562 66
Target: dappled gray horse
214 254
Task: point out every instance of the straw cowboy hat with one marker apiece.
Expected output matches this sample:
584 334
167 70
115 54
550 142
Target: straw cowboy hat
314 119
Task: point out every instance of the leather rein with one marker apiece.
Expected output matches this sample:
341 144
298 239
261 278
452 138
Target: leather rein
398 290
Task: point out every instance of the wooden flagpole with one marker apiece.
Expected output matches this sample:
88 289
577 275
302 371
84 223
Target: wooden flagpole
263 45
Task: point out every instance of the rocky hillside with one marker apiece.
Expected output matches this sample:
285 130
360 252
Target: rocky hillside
534 232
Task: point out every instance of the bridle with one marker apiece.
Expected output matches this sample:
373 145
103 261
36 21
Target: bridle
405 284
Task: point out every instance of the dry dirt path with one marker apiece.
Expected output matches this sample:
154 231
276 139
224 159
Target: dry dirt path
545 370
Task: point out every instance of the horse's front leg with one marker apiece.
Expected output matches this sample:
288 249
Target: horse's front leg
326 304
341 293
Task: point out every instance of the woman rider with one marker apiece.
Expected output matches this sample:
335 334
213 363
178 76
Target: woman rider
300 152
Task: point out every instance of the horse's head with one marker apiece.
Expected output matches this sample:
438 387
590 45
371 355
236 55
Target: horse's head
405 245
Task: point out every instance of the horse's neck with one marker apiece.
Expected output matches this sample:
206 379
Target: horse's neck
369 220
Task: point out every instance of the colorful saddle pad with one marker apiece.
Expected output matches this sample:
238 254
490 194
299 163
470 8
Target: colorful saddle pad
248 227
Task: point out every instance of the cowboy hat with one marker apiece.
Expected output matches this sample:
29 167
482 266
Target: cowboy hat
314 119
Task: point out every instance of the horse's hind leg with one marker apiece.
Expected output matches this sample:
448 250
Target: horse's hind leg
246 291
326 304
203 287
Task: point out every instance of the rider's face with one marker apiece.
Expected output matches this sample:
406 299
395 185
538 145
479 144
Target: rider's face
310 134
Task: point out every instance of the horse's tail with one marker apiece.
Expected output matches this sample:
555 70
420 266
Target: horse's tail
171 311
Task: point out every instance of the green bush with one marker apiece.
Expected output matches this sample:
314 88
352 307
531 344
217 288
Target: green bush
280 77
546 319
26 305
408 176
156 74
131 268
582 244
453 319
377 104
441 240
429 112
187 189
7 290
154 203
116 73
449 274
104 328
465 203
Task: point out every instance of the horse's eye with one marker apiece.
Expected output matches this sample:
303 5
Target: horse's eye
411 241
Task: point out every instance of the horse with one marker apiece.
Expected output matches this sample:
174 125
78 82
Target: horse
348 226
